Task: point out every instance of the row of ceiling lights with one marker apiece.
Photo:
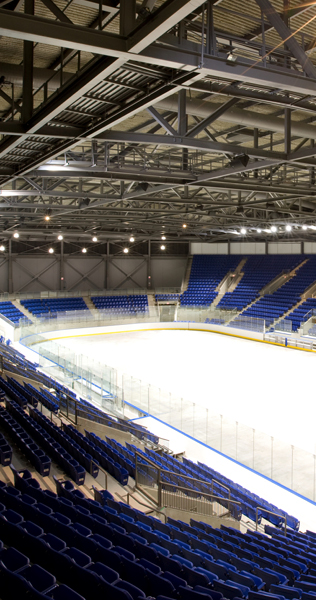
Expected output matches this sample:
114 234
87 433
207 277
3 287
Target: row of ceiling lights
273 229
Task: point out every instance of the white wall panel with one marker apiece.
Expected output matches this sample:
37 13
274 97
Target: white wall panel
197 248
284 248
309 247
247 248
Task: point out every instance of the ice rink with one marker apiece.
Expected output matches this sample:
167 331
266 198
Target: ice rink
268 388
264 387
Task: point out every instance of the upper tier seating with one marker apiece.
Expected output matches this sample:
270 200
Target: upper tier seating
8 310
105 549
122 305
207 272
52 306
258 272
273 306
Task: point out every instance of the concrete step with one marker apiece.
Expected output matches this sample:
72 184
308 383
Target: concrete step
20 306
151 300
89 303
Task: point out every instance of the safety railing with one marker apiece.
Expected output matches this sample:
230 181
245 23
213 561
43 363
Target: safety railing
270 512
95 464
152 481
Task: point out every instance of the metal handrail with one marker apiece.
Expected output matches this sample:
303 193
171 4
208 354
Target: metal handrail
93 462
151 508
213 498
260 508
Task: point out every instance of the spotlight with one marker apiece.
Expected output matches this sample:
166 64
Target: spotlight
274 229
312 227
241 160
243 231
47 218
125 250
162 247
132 239
94 239
259 230
84 250
2 248
184 226
16 235
163 237
304 227
51 250
288 228
60 237
230 58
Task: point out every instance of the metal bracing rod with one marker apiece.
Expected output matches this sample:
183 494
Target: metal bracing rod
84 275
216 114
285 33
160 119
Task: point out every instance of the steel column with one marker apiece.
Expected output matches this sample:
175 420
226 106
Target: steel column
27 106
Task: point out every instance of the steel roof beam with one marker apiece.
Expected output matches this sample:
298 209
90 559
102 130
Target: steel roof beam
288 37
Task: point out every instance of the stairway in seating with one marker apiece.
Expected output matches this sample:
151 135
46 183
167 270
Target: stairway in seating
234 276
151 299
268 289
22 308
89 303
286 313
186 278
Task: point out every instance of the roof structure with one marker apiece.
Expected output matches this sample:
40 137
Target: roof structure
139 117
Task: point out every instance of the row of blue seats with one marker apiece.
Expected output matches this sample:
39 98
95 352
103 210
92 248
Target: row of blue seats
206 274
25 443
5 451
47 436
8 310
115 466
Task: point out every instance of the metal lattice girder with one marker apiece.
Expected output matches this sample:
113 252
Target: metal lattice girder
287 36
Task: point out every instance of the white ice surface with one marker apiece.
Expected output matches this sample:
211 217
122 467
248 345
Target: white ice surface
266 387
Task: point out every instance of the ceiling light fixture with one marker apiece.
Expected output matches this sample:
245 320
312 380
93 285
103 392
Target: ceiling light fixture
125 250
132 239
184 226
274 229
51 250
16 235
163 237
304 227
47 218
94 239
84 250
162 247
259 230
243 231
288 228
60 237
2 248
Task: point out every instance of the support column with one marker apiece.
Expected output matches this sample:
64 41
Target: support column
27 106
107 280
210 33
183 124
149 284
62 266
127 16
287 130
10 277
